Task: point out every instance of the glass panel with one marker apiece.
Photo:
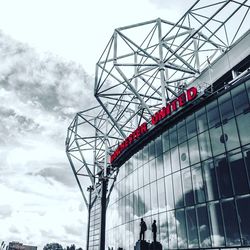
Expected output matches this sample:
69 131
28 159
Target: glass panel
240 99
217 140
151 150
181 229
243 122
141 204
231 225
172 230
184 156
173 137
135 179
122 172
231 138
169 192
175 159
147 200
246 153
201 120
181 129
213 114
193 150
178 197
167 163
204 232
191 228
198 185
140 158
187 187
239 174
210 180
158 146
204 145
191 126
146 174
163 230
135 204
243 209
223 175
217 233
161 194
140 177
145 154
165 140
154 198
159 167
226 106
152 170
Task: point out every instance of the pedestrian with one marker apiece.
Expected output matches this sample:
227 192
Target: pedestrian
154 230
143 229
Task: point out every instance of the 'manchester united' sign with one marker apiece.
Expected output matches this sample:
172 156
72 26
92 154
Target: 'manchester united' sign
171 107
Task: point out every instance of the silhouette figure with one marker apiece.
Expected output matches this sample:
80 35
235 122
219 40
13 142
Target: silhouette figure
143 229
154 230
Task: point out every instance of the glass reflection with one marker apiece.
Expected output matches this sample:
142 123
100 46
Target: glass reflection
172 236
240 99
217 233
224 178
175 162
243 205
181 228
203 226
210 180
184 156
231 224
204 145
197 189
198 184
178 197
169 192
191 228
187 187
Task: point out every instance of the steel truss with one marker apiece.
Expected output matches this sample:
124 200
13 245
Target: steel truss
143 67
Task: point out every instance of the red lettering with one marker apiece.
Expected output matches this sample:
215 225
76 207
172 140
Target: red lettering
130 138
134 135
138 132
168 109
154 119
174 104
162 113
182 99
144 128
191 93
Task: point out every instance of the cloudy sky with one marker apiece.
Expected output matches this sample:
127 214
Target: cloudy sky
48 51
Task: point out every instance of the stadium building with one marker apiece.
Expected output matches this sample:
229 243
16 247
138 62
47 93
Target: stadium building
170 140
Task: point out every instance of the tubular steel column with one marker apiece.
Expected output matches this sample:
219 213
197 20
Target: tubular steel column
89 211
103 213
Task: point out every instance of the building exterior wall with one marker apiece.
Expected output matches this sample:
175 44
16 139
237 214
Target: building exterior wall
193 179
94 223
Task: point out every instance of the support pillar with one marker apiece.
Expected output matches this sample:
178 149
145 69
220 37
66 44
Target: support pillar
89 211
103 213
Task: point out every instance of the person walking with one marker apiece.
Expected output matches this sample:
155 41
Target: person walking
154 230
143 229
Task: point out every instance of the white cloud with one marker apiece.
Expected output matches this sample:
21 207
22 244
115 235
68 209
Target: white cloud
40 200
77 30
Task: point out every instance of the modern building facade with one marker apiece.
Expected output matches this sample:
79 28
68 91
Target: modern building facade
193 179
171 137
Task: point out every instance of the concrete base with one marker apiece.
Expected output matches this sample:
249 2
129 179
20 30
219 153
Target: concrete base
141 245
155 246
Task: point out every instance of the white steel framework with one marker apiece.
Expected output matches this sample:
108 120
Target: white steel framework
142 68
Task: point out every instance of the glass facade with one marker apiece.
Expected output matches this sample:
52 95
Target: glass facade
193 180
95 223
